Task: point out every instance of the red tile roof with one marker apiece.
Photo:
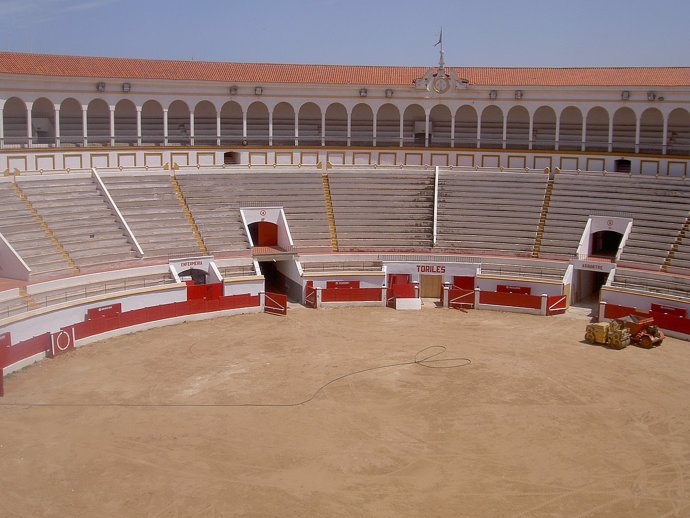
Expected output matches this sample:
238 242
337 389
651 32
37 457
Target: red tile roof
265 73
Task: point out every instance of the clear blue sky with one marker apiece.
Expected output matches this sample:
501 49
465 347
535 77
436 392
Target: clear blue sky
386 32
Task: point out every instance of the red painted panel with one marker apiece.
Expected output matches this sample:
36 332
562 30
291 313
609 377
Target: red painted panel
398 278
517 300
214 291
672 322
556 304
268 234
351 295
505 288
404 291
310 296
669 310
5 343
61 342
275 304
104 311
27 348
615 311
461 299
196 291
463 282
243 300
342 284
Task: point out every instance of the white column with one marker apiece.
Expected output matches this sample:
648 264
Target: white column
138 125
426 130
112 125
244 125
557 137
191 127
270 128
374 128
217 128
349 129
323 128
29 126
531 129
165 126
505 131
57 125
2 128
452 130
85 123
637 135
296 128
610 134
479 130
664 138
402 129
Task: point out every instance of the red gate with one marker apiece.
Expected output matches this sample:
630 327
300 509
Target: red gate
310 297
556 304
275 304
460 299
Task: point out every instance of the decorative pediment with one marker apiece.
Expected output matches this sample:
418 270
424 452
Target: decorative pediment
440 81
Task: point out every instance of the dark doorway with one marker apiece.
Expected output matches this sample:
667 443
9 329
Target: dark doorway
622 166
264 233
588 285
605 243
231 158
198 276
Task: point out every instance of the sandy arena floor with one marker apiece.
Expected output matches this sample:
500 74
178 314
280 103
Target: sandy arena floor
539 425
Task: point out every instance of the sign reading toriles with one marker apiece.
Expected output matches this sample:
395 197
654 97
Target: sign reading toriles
428 268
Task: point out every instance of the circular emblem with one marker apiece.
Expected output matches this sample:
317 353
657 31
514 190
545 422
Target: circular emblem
610 223
63 340
441 85
262 212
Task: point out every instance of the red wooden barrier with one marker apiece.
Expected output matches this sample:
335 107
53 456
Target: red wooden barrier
505 288
104 311
5 343
27 348
342 284
61 342
398 278
351 295
672 322
310 297
556 304
669 310
615 311
463 282
275 304
460 299
404 291
516 300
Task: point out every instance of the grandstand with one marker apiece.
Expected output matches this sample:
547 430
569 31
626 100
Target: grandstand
230 184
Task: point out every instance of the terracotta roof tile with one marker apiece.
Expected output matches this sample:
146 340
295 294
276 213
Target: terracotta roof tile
265 73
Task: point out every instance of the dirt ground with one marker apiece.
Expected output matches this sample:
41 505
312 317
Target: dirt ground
539 425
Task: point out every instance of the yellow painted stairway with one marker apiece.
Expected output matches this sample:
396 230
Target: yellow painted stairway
44 225
188 215
542 219
329 211
674 248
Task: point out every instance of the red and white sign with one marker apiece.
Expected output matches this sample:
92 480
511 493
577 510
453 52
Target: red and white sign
61 342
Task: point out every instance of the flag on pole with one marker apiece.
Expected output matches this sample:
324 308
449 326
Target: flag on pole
440 38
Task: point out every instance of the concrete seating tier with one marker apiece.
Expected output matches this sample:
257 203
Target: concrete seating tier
245 270
655 283
153 212
554 272
27 237
658 207
381 209
489 211
83 223
338 266
215 200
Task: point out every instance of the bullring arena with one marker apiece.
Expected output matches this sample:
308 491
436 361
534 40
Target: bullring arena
299 290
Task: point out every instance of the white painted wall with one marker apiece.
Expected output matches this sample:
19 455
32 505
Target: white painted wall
12 266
